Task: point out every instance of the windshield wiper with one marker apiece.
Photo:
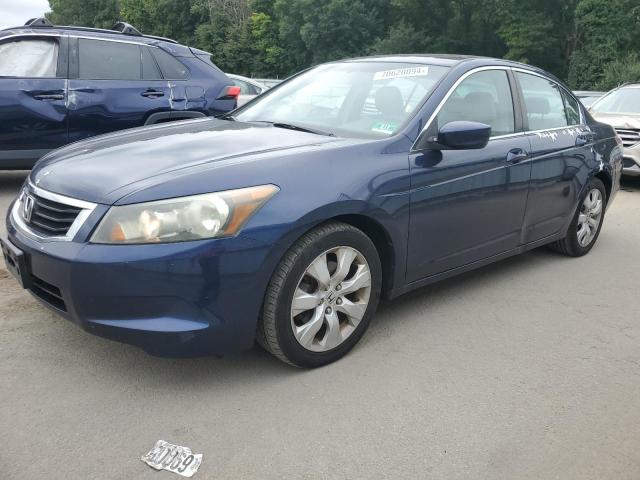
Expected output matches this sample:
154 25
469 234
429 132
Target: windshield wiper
290 126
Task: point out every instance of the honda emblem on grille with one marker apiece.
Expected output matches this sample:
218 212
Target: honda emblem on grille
27 207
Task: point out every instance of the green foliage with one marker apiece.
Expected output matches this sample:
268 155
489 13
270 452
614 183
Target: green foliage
607 32
624 70
89 13
592 43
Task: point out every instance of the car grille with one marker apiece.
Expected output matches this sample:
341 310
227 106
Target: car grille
48 293
49 218
629 137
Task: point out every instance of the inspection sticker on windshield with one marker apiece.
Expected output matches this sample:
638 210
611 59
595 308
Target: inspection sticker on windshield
384 127
176 459
402 73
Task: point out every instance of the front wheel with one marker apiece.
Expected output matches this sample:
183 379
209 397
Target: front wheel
321 297
587 222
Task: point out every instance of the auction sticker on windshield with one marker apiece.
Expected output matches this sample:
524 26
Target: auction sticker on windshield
402 73
176 459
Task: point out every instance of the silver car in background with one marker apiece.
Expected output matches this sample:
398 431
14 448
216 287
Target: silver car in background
620 108
588 98
249 88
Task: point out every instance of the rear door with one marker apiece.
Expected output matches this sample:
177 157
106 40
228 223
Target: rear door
185 93
562 154
33 94
114 85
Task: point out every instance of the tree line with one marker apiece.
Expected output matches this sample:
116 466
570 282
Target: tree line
592 44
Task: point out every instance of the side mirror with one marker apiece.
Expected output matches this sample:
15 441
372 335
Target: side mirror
458 136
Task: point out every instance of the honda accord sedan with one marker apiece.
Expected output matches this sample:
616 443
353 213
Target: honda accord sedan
289 219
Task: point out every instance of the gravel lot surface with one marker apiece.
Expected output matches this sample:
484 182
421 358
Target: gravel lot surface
529 368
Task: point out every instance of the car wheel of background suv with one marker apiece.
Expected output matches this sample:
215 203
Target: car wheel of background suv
321 297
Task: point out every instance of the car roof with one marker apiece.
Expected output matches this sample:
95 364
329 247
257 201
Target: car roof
97 33
451 60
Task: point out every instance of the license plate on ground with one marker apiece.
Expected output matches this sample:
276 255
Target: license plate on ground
15 261
176 459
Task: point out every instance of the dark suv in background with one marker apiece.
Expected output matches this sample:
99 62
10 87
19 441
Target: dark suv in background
62 84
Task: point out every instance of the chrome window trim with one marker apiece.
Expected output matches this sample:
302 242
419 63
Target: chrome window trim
506 69
71 35
19 223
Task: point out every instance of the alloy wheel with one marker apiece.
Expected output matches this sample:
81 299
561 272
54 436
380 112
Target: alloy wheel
331 299
590 217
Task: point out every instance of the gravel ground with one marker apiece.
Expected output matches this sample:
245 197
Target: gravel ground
529 368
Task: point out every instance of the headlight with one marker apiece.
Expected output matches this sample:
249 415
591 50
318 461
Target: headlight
197 217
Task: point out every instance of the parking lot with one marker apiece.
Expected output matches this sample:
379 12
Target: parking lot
529 368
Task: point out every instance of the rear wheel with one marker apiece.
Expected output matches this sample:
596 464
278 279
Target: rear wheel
321 297
587 222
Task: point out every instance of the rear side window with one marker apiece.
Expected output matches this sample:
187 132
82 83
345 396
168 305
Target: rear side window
544 103
105 60
150 70
33 58
171 68
483 97
572 109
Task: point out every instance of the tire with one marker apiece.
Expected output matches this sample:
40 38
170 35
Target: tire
571 244
279 330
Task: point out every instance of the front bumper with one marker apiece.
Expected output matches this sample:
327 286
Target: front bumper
178 300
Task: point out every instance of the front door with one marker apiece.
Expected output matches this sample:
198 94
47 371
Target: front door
468 205
33 92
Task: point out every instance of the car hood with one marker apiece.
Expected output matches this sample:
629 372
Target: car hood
106 168
619 120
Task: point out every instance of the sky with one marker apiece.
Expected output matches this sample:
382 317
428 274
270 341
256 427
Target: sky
16 12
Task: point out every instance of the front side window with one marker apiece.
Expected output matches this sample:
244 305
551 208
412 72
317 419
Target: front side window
543 101
483 97
32 58
624 100
365 99
105 60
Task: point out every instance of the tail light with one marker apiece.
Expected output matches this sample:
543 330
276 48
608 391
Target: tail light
230 93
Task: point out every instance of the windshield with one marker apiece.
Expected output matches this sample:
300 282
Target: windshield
625 100
351 99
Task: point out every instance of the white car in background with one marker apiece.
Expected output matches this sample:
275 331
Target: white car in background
249 88
620 108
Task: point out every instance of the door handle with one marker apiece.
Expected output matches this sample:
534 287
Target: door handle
585 139
152 94
49 96
517 155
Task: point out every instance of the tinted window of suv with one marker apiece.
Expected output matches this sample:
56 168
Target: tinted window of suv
542 97
105 60
29 58
150 70
171 68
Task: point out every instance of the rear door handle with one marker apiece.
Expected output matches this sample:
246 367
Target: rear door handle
152 93
517 155
585 138
49 96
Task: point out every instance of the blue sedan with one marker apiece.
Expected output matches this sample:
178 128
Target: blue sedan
288 220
